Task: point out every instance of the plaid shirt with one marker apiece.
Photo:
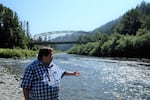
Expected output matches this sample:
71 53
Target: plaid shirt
43 81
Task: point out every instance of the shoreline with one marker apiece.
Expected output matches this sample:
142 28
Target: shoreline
9 86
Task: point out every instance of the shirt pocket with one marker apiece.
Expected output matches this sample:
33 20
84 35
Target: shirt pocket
56 76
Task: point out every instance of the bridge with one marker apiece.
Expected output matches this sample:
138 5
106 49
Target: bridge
51 35
59 37
62 42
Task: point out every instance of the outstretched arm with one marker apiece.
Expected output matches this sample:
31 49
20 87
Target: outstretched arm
72 73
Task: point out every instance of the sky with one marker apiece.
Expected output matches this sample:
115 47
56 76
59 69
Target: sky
59 15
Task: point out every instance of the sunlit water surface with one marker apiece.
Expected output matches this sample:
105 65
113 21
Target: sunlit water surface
101 78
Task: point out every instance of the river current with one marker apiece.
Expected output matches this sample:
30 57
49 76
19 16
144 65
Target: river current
100 79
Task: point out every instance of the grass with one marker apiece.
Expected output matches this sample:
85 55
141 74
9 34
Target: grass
16 53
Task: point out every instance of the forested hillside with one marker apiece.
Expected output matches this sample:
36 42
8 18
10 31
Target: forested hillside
108 27
129 38
12 31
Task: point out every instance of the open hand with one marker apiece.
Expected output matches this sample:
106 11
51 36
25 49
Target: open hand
76 73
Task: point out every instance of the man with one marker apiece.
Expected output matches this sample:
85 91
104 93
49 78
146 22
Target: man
42 77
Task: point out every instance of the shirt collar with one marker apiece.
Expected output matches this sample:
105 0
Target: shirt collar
41 63
50 65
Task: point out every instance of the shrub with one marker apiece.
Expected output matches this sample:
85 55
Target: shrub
16 53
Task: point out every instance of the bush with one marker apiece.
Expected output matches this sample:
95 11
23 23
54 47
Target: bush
16 53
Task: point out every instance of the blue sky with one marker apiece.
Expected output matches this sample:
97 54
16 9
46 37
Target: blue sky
58 15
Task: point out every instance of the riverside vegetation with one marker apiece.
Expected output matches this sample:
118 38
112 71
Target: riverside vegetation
14 34
129 37
16 53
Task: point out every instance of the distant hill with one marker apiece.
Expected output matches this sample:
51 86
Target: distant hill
61 36
108 27
69 37
130 22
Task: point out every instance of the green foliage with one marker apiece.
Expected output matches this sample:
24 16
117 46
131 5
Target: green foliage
146 22
130 22
142 45
134 20
12 33
90 48
16 53
117 45
144 8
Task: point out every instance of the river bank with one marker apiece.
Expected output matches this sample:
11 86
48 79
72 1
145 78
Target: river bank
9 86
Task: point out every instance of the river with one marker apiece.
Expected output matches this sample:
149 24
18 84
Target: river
100 79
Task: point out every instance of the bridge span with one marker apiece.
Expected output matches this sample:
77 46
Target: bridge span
62 42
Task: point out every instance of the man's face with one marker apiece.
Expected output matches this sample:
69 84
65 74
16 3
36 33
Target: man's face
48 59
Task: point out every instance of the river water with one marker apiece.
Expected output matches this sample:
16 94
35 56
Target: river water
100 79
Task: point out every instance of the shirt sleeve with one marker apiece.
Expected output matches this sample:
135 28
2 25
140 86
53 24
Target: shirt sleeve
27 77
62 72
